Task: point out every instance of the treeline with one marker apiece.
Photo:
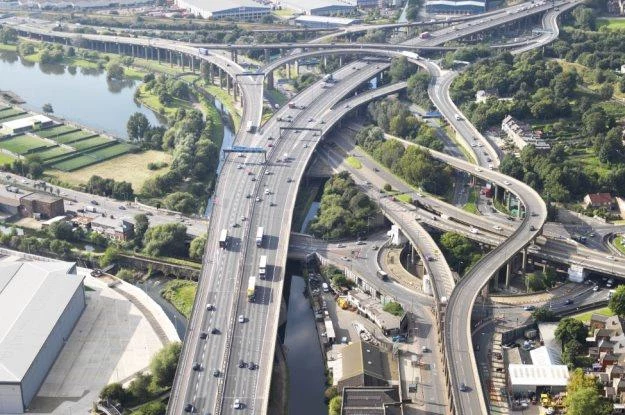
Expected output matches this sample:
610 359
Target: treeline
344 210
413 164
167 88
110 188
459 251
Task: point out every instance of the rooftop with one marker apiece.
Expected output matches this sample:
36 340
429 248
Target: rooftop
33 295
327 19
221 5
370 401
316 4
360 357
42 197
600 198
25 122
530 375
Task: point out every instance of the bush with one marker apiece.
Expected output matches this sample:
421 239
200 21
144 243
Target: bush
394 308
164 363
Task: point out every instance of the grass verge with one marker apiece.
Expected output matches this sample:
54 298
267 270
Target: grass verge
585 317
353 162
181 294
471 205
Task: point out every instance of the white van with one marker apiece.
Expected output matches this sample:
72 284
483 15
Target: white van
325 287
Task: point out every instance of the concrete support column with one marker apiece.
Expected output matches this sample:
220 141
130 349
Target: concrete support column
325 60
524 260
192 64
105 51
496 281
146 52
228 83
119 49
221 78
132 50
171 58
508 273
297 67
496 192
158 55
288 71
270 82
340 61
182 61
267 55
235 91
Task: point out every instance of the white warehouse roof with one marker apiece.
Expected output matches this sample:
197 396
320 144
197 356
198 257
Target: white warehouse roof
213 6
534 375
343 21
25 122
33 296
457 3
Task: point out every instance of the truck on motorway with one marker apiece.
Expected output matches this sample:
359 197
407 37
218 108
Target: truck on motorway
250 127
292 105
251 289
91 209
328 78
262 267
425 35
410 55
223 238
382 275
259 236
202 51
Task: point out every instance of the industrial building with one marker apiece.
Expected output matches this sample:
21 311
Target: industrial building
455 7
40 303
225 9
321 7
21 125
325 22
363 364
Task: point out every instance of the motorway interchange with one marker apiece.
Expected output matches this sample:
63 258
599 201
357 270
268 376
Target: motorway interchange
210 377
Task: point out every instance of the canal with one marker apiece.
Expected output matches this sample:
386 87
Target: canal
303 354
83 96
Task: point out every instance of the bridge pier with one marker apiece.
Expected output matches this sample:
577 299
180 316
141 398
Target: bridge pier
267 55
221 78
228 83
508 273
270 82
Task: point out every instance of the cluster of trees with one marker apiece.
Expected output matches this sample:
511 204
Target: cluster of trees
304 80
572 335
469 54
461 252
48 52
413 164
147 386
167 88
538 281
338 278
140 131
559 179
395 118
7 35
31 166
584 395
42 244
165 240
344 210
191 140
109 187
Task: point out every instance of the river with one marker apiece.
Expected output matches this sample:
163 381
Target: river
83 96
303 355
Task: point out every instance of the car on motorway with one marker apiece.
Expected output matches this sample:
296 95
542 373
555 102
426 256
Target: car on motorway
529 308
430 258
305 145
216 373
497 227
507 183
241 363
210 307
189 408
257 199
121 207
248 196
253 178
463 387
289 180
596 288
270 145
197 366
272 204
214 331
344 258
203 335
478 169
267 191
569 301
251 366
532 228
237 404
241 319
473 145
239 167
361 243
267 172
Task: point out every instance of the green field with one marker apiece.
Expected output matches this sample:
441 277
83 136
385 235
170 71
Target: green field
22 143
112 151
5 158
52 153
10 113
611 24
88 143
54 131
585 317
72 137
74 163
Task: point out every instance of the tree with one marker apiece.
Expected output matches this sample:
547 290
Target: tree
114 393
152 408
8 35
137 126
164 363
544 314
181 202
587 401
110 255
142 223
606 91
400 69
334 407
164 239
572 349
139 388
196 249
47 108
571 329
61 230
617 301
394 308
114 71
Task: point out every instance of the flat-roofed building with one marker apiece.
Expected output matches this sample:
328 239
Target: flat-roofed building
371 401
320 7
45 205
40 303
225 9
22 125
527 378
455 7
325 22
363 364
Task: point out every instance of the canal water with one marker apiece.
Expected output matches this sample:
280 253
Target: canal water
80 95
303 355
